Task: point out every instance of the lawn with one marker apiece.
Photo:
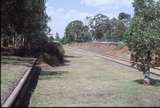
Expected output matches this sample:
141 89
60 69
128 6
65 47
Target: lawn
88 80
12 70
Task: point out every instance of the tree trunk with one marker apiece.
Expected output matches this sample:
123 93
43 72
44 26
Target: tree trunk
147 70
147 75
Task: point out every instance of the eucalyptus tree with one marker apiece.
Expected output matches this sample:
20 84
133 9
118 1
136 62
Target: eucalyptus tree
125 18
76 31
23 22
99 25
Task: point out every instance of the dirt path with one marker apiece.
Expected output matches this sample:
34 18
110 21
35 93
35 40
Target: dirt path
88 80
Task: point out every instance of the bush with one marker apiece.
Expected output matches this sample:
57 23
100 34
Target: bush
120 45
50 59
5 51
55 49
22 52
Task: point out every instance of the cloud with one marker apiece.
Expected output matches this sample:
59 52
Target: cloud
111 8
96 3
60 18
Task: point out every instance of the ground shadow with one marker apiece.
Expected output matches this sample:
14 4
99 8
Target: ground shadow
43 73
17 61
154 82
31 88
47 75
69 56
155 74
66 62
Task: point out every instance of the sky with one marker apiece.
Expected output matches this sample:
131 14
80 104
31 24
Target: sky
64 11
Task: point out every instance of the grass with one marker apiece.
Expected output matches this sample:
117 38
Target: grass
88 80
12 70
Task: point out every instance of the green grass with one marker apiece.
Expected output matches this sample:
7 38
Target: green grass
120 45
12 70
88 80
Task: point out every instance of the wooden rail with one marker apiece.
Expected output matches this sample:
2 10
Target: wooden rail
107 55
18 94
121 61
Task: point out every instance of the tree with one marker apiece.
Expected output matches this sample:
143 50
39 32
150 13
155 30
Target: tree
123 15
143 36
99 25
51 39
103 28
125 18
57 38
118 29
73 30
86 34
76 31
24 23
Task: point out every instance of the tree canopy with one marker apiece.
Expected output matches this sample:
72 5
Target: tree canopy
76 31
24 23
143 36
99 28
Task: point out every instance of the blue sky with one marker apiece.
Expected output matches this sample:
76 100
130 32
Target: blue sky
64 11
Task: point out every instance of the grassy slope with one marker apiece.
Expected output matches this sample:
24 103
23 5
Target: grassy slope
92 81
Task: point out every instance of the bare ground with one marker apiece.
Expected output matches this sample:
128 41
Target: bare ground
88 80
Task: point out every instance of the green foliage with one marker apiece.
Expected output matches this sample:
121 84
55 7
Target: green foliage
76 31
120 45
22 21
55 49
50 59
118 30
99 25
24 26
143 36
57 37
144 33
51 39
123 15
103 28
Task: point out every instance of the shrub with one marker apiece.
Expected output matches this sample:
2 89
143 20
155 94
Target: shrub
50 59
55 49
120 45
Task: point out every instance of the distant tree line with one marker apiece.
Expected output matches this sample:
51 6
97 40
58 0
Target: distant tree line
24 28
99 28
55 38
24 22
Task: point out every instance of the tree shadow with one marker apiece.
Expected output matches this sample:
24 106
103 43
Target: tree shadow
17 61
155 74
47 75
66 62
154 82
38 74
31 87
43 73
70 56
